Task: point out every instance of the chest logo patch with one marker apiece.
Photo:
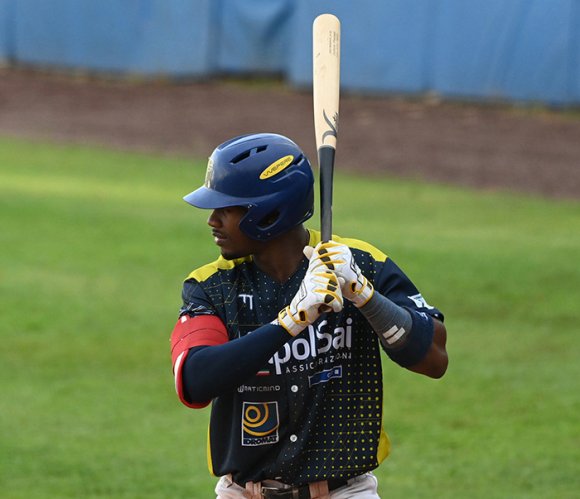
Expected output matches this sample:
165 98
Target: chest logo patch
260 422
247 300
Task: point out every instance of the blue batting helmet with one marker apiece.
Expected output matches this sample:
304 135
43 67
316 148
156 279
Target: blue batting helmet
266 173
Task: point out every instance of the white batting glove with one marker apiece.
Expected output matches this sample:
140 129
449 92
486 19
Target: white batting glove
338 258
319 292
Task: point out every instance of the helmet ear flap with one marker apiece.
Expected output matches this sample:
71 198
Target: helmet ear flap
261 222
269 220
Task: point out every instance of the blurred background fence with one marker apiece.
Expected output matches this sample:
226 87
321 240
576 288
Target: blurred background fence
522 50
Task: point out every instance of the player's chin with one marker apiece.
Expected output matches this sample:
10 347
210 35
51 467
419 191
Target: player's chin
230 254
227 255
231 249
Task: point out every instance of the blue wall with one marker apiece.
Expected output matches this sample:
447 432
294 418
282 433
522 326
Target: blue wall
494 49
508 49
6 29
135 36
255 35
383 43
530 54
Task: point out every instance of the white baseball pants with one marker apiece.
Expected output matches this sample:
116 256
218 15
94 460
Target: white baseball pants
360 487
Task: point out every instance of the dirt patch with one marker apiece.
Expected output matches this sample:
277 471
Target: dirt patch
482 146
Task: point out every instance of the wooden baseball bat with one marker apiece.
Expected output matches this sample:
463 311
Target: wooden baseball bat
326 93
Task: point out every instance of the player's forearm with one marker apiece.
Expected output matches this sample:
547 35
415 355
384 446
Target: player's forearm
213 370
413 340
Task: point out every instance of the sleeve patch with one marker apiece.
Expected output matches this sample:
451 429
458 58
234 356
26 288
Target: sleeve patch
420 302
202 330
189 332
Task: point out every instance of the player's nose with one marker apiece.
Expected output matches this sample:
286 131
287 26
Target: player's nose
214 219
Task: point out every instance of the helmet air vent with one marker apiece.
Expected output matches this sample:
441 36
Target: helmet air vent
247 154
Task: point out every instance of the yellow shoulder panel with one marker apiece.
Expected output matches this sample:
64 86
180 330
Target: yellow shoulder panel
205 272
376 253
315 237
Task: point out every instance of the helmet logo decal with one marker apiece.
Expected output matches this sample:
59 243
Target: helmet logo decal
209 173
277 166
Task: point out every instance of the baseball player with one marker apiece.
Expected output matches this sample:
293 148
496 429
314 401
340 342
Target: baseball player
283 334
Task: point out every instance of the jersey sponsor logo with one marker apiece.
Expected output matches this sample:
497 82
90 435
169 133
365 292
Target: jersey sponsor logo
325 376
318 341
267 388
276 167
260 423
419 301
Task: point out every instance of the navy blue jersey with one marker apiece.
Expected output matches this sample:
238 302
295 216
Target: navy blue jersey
314 410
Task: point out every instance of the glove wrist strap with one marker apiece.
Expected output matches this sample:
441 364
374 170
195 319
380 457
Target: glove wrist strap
286 320
363 296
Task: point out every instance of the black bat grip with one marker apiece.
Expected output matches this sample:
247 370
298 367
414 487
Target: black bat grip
326 162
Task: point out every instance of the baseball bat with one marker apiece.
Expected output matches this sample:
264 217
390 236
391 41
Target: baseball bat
326 96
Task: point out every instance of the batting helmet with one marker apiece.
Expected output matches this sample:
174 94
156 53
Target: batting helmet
266 173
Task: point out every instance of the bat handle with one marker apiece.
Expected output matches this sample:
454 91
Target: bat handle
326 162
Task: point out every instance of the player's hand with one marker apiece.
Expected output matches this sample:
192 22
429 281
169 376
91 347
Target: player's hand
319 292
338 258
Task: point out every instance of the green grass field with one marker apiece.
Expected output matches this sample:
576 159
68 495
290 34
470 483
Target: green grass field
94 245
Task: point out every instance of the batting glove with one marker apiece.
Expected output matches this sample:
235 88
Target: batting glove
338 258
319 292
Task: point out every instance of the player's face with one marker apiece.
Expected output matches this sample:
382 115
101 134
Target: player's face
233 243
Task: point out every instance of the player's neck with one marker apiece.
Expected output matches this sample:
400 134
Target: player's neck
281 257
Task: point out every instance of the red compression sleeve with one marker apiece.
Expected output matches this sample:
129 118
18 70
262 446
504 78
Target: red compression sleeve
189 332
